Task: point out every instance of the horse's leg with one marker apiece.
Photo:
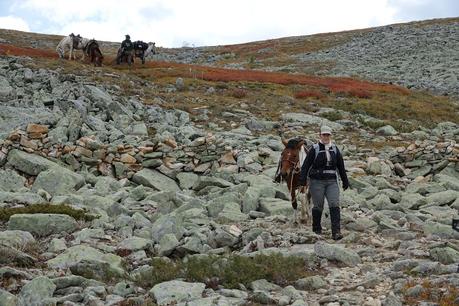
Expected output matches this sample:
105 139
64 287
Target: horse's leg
70 52
302 208
294 204
305 209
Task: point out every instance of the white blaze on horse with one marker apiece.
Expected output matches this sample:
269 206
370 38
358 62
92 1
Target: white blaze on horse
151 49
71 43
289 169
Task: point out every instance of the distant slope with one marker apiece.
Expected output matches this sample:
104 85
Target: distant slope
421 55
293 74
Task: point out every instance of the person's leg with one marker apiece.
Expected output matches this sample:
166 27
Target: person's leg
317 189
332 195
118 56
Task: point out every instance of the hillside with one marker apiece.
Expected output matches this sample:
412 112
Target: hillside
153 184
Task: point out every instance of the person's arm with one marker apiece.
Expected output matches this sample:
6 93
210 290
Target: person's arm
341 169
306 166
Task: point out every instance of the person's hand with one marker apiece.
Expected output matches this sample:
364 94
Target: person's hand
345 185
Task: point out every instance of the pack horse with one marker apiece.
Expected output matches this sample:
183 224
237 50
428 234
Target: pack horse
71 42
142 50
292 158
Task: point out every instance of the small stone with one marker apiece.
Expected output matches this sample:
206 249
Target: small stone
128 159
37 128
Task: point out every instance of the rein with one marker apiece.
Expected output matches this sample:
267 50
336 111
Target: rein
296 170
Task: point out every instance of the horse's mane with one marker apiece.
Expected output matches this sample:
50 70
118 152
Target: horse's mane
293 143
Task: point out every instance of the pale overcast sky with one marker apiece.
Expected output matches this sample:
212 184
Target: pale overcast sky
175 23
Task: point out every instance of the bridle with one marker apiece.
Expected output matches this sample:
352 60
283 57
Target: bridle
296 168
295 163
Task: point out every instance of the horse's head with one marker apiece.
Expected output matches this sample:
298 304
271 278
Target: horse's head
290 156
151 48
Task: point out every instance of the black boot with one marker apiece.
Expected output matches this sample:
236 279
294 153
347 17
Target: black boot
316 216
335 218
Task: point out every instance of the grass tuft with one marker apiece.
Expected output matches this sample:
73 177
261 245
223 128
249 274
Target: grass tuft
442 294
230 271
332 116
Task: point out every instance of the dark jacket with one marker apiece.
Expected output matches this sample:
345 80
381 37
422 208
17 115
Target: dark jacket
314 167
127 45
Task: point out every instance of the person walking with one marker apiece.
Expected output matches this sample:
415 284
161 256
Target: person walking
322 165
126 46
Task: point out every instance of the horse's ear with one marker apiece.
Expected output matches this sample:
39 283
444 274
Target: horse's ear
284 141
301 143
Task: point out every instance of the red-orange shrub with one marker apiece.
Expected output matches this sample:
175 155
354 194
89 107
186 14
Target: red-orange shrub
309 94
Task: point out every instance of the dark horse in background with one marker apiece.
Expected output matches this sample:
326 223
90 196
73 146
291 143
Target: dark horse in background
92 50
289 168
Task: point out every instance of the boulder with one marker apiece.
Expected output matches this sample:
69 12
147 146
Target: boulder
42 224
28 163
16 239
37 292
58 181
10 180
75 254
175 291
337 253
154 179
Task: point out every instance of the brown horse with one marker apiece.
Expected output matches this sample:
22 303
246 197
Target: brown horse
93 52
292 158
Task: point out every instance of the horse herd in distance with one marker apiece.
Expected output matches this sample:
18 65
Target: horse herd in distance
91 49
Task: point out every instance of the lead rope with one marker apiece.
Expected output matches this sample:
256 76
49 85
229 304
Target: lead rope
295 171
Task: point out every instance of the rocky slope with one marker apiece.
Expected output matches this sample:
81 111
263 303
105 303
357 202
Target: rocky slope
420 55
143 184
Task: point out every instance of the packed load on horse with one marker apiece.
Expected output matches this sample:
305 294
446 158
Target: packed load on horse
92 50
83 46
142 50
139 50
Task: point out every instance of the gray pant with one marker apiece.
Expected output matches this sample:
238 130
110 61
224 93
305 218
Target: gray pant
321 189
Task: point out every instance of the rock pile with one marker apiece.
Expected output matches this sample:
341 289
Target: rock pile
165 189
